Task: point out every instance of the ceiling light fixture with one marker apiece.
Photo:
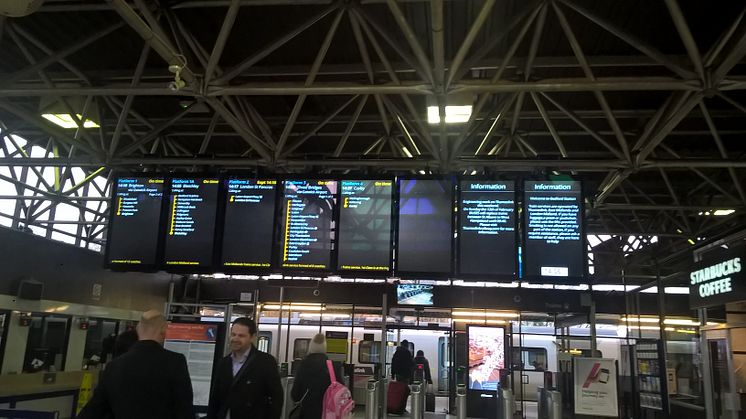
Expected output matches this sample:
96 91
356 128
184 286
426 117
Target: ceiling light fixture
722 212
65 120
454 114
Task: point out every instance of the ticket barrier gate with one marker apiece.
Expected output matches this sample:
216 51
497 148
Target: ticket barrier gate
371 399
550 404
287 401
461 401
417 393
505 403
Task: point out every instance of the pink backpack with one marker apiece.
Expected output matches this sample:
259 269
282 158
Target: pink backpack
338 403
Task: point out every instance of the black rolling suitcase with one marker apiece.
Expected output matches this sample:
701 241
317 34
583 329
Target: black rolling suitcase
429 402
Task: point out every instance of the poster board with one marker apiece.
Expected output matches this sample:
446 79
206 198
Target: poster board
197 343
595 387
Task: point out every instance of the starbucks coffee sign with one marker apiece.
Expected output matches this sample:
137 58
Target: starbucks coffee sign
718 279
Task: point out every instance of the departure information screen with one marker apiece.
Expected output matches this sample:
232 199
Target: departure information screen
248 223
425 226
487 228
136 215
365 225
307 231
554 246
190 232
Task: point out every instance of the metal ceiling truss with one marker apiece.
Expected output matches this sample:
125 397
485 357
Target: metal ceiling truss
533 112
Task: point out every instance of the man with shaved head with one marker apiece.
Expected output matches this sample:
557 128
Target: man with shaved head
146 382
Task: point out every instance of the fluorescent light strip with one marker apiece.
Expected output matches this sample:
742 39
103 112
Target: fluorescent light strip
479 321
65 120
483 314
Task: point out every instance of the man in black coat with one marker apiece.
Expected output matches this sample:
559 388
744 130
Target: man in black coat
246 383
146 382
402 363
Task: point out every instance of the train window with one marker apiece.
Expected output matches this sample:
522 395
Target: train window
529 359
368 352
300 347
47 343
264 341
99 340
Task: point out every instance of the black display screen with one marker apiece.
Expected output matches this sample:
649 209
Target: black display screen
487 228
365 225
307 232
135 222
248 223
554 245
192 205
425 226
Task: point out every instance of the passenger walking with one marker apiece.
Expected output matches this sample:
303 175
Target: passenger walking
146 382
312 380
246 383
402 364
420 359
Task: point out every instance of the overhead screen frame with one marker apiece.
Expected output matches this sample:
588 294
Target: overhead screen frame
181 269
568 280
426 275
160 234
516 234
220 230
392 227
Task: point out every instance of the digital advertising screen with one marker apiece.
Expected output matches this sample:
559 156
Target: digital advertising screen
414 294
486 357
487 228
190 231
307 231
425 226
365 225
553 236
248 223
135 222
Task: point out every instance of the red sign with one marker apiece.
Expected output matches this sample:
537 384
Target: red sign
191 331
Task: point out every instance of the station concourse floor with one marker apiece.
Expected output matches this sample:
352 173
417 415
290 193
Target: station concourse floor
441 409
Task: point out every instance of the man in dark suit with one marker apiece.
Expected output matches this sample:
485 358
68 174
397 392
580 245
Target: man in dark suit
246 383
146 382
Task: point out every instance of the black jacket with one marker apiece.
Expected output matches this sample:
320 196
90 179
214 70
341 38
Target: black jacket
402 364
426 366
146 382
254 393
312 376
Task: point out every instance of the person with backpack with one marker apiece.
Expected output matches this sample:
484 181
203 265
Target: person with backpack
316 390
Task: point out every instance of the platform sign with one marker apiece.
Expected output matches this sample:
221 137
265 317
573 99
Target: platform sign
192 206
595 387
248 223
197 343
307 234
718 279
135 222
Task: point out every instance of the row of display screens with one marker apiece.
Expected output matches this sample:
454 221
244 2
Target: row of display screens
423 226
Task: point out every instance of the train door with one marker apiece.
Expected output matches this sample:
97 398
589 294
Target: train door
444 361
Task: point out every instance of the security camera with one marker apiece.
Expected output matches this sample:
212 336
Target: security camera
176 85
